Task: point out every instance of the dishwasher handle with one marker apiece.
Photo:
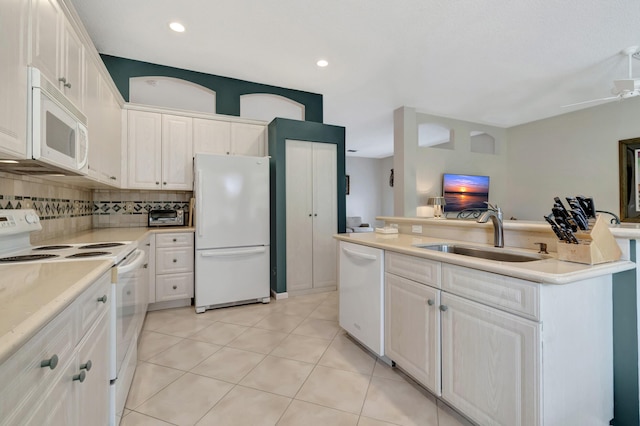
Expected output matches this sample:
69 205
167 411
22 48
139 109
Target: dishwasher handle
136 261
233 252
359 255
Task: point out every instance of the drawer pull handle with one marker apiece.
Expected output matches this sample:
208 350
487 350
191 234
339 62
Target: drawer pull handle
430 302
175 239
443 308
80 377
175 287
86 366
102 299
175 260
52 362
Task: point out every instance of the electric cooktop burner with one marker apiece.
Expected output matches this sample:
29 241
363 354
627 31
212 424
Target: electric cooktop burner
51 247
88 254
101 245
27 257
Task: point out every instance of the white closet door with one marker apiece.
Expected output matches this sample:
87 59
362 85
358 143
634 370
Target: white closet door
325 214
299 175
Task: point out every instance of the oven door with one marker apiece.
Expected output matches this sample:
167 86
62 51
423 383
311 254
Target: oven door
130 289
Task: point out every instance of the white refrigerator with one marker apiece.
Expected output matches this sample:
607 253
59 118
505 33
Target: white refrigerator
232 230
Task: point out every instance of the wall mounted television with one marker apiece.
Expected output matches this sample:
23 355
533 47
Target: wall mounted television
464 192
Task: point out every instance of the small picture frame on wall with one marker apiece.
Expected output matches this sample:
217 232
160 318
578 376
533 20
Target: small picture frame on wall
348 184
629 171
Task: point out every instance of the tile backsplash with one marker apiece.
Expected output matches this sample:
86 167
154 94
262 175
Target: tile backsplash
64 208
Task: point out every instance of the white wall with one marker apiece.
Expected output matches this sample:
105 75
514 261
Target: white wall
365 196
568 155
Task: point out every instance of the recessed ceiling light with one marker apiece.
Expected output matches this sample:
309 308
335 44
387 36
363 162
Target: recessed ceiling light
322 63
177 27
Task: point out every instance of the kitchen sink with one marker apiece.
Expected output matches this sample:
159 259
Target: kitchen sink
482 252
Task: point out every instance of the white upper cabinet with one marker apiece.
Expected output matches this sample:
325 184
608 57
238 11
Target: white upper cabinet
224 137
13 78
159 150
56 50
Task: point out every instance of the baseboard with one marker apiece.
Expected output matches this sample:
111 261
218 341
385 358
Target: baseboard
169 304
279 296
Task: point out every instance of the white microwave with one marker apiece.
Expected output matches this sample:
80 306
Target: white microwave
57 130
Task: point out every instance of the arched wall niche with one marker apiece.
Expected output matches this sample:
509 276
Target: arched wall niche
267 106
170 92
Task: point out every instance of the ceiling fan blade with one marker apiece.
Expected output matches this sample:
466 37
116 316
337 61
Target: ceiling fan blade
591 101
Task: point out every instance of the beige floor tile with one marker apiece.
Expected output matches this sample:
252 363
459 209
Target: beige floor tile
399 402
138 419
448 417
342 390
307 414
185 355
186 400
345 354
313 297
228 364
326 312
302 309
258 340
301 348
278 321
150 344
313 327
278 375
241 315
156 319
148 380
219 333
367 421
244 406
125 412
386 371
184 327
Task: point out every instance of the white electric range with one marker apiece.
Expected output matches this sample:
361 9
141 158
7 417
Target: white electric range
129 289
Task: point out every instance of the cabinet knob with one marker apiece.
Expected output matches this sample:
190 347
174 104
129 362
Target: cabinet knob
145 266
175 287
175 260
315 214
67 85
175 239
112 177
80 377
164 183
309 214
62 80
157 183
102 299
52 362
86 366
443 308
430 302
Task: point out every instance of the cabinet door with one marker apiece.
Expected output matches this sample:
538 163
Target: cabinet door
412 329
93 111
59 405
174 287
112 139
144 139
173 260
13 77
72 72
491 363
211 136
177 152
93 400
325 214
248 139
45 38
299 214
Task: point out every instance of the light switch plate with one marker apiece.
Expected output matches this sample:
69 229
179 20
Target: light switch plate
416 229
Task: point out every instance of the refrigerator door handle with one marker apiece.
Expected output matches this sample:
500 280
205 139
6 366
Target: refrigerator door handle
199 201
232 252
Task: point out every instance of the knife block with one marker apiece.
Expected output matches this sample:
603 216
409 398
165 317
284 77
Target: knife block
597 245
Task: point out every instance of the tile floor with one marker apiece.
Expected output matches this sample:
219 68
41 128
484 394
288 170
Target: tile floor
283 363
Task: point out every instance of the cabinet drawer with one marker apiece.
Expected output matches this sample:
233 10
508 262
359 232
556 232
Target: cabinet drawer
415 268
23 379
91 305
178 239
507 293
174 260
174 287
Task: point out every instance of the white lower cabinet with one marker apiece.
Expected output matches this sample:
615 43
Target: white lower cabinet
477 340
172 268
61 375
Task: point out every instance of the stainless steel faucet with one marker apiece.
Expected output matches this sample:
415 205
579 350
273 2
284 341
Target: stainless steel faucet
495 214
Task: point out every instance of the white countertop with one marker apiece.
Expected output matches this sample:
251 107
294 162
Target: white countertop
32 294
547 271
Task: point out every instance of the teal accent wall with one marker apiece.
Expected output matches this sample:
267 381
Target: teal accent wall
280 130
228 90
625 347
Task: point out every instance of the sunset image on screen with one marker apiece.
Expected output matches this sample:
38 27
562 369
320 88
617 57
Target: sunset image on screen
465 191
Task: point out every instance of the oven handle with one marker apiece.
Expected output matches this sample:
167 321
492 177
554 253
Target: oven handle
219 253
135 263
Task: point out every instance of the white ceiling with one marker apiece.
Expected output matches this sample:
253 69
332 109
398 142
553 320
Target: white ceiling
498 62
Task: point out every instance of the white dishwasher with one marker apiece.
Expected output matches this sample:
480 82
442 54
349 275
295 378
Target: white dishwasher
361 294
